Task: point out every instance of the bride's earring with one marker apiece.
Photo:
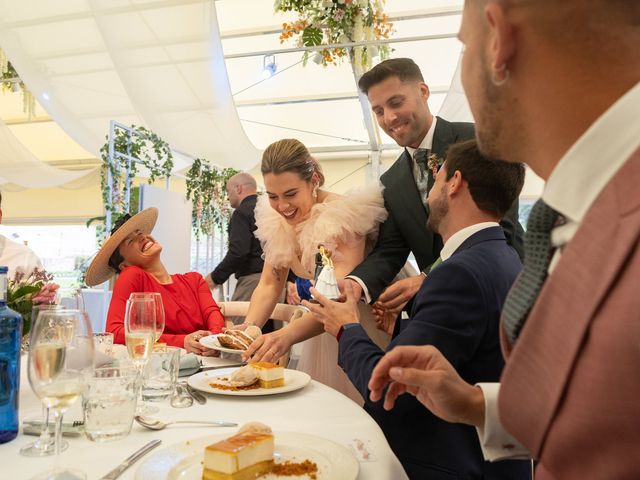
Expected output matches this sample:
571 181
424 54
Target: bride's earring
314 194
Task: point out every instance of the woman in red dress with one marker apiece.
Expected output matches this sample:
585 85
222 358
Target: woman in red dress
133 254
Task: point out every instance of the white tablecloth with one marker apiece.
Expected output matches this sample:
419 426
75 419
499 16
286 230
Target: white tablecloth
316 409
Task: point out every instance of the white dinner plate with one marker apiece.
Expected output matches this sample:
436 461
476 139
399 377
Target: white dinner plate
293 380
182 461
211 341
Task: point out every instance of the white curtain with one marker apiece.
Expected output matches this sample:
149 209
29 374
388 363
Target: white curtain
455 107
156 64
20 169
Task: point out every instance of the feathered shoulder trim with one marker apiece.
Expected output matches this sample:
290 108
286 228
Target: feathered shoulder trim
340 219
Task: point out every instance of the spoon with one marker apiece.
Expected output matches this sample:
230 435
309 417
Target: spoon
156 424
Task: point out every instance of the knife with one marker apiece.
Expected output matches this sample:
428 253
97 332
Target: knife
219 367
116 472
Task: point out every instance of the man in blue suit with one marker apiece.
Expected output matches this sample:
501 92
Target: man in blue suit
457 309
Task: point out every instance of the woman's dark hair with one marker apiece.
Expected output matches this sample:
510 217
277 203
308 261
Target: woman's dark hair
290 155
116 259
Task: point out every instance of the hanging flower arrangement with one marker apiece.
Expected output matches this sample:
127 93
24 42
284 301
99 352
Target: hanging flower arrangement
327 22
206 188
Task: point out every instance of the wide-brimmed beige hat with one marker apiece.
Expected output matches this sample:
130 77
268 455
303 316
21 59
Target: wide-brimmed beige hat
99 271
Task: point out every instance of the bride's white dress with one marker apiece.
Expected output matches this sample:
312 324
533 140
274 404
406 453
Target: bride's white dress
339 220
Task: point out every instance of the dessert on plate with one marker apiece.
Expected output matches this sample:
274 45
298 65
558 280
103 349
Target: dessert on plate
270 375
246 455
254 375
239 339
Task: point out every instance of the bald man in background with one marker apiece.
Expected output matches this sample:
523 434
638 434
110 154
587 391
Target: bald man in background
244 256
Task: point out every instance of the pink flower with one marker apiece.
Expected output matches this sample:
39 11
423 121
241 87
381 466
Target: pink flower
46 295
338 15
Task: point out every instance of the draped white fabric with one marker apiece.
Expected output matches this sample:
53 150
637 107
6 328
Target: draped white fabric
157 64
455 107
20 169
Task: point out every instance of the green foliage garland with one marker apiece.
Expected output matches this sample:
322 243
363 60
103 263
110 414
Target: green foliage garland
206 188
154 154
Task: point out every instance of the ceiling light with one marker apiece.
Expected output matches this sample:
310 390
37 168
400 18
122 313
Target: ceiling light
269 66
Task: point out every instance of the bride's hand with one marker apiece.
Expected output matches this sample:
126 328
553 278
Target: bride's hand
268 348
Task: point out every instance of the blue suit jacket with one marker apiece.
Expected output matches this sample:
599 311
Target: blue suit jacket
457 310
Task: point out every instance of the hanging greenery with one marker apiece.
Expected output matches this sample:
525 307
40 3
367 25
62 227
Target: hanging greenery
206 185
327 22
11 82
206 188
153 153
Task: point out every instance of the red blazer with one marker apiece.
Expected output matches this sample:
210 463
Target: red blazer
571 387
188 304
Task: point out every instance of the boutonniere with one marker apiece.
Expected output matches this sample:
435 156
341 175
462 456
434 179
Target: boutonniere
434 163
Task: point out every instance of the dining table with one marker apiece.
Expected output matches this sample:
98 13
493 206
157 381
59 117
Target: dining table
315 409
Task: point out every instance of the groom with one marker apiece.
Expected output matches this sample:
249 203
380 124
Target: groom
457 310
398 97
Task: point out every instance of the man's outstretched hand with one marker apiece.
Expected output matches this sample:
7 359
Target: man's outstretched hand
425 373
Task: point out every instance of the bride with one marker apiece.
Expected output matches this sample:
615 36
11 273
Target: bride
293 218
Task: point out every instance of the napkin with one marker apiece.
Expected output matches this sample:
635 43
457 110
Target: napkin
189 364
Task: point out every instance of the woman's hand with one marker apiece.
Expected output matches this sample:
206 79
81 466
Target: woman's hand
192 344
268 348
292 294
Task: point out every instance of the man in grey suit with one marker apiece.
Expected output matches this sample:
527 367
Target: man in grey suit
398 97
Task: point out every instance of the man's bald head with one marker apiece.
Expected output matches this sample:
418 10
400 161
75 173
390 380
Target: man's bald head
240 186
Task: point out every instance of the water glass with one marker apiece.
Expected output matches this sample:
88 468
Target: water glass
109 402
103 342
161 373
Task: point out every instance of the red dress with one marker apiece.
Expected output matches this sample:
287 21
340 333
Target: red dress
188 304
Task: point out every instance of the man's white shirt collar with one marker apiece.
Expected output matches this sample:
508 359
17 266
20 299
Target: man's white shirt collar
427 141
583 172
461 236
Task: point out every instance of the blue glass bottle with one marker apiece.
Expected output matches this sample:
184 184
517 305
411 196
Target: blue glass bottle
10 337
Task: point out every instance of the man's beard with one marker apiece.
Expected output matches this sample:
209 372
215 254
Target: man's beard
438 209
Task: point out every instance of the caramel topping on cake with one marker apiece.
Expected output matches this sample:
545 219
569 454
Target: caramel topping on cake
265 365
238 442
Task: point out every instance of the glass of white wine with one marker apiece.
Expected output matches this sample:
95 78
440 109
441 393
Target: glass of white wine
44 445
61 356
157 298
140 335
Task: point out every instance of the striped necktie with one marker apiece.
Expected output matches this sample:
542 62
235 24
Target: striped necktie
538 252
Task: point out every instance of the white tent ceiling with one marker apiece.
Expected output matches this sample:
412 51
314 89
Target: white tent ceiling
190 70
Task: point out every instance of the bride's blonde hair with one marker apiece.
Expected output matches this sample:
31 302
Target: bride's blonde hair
290 155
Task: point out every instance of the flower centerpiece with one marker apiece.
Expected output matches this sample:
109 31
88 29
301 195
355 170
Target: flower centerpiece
327 22
24 291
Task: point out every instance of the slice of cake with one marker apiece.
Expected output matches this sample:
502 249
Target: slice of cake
244 456
270 375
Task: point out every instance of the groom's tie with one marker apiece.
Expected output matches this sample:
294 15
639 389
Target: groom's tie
420 156
538 252
422 177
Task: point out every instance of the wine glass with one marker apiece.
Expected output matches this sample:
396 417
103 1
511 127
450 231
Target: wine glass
61 356
157 298
44 445
140 334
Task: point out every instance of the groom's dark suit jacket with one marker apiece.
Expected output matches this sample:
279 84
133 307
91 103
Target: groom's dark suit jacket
457 310
405 229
